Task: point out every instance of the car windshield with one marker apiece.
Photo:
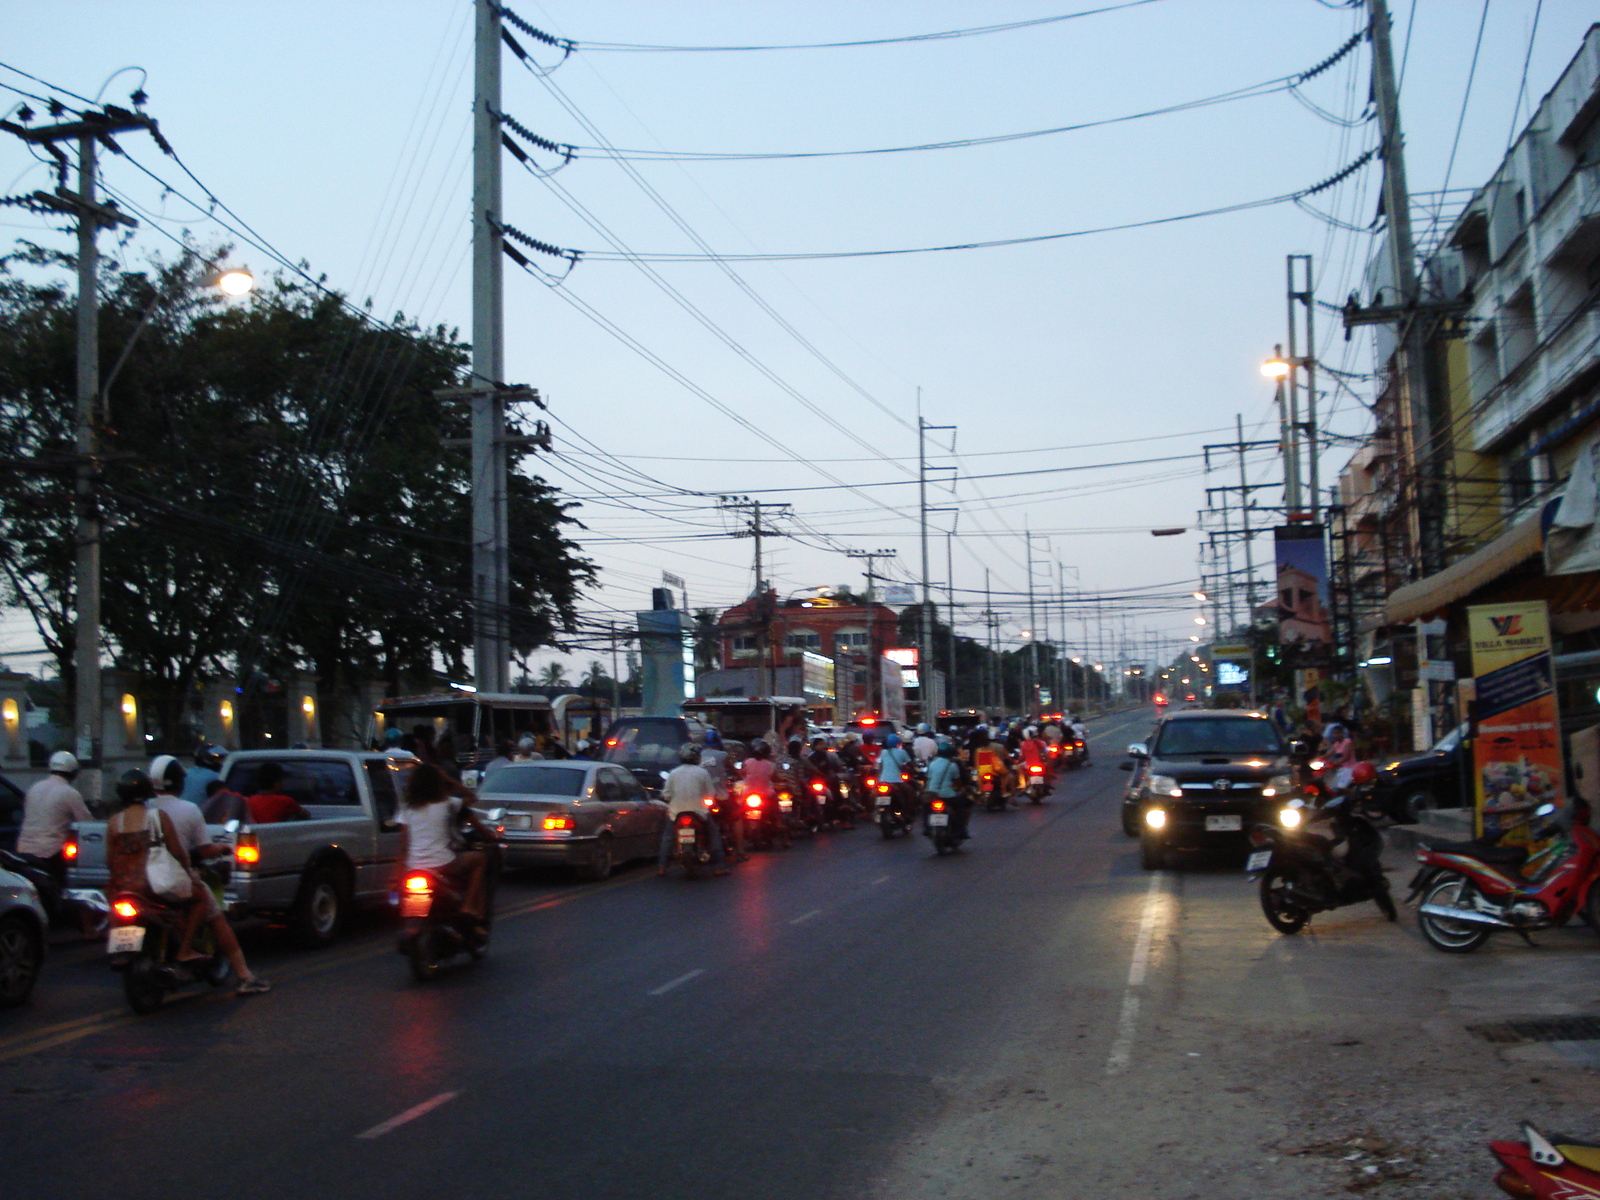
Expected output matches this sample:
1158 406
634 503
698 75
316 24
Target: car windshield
1449 741
645 744
1222 735
533 779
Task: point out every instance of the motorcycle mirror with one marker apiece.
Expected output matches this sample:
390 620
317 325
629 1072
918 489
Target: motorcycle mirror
1544 810
232 826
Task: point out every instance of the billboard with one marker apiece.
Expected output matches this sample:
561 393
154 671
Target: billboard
1517 762
1304 618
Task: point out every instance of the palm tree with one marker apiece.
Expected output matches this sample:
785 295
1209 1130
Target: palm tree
553 676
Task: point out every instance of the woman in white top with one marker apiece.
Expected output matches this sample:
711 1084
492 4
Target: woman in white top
431 809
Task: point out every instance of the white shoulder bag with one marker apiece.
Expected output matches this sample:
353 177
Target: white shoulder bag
163 872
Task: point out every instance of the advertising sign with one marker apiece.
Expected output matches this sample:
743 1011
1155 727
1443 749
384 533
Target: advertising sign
1303 614
817 675
1517 763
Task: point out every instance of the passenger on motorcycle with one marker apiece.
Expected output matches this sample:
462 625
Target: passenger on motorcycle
924 746
690 788
431 809
947 779
895 769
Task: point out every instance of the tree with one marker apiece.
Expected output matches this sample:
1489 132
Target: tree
281 487
553 676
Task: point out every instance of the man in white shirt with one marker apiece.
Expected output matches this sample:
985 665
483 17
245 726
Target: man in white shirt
690 788
924 746
48 810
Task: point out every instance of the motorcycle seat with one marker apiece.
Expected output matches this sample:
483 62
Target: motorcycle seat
1508 856
1587 1157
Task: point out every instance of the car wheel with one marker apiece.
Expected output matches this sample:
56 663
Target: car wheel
1417 803
1152 854
1130 820
320 909
604 861
21 957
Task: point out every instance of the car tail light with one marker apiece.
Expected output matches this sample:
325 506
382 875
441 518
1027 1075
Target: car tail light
937 806
69 850
247 851
752 801
559 823
418 884
126 909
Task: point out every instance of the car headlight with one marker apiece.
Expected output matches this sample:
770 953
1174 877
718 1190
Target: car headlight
1278 785
1290 818
1164 785
1156 818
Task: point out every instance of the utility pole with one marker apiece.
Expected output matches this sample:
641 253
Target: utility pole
925 689
1289 430
90 129
874 664
763 612
1307 297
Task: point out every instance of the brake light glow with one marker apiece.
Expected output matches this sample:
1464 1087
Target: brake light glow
1035 770
248 851
938 806
816 785
686 819
126 909
884 788
752 801
417 883
559 823
611 741
871 782
69 850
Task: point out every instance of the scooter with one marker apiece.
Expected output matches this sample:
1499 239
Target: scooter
940 826
1544 1170
63 906
1037 786
890 810
432 929
1469 889
142 942
692 836
1302 874
766 825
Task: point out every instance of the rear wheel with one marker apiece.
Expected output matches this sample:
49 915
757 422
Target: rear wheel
319 912
424 956
1446 933
21 957
604 861
141 985
1282 913
1151 852
1130 820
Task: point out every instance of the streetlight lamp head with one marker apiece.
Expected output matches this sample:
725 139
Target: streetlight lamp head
1199 620
1194 637
235 282
1275 368
1202 597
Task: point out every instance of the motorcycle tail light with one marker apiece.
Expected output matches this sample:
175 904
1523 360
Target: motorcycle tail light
883 788
126 909
69 850
871 782
938 806
816 785
559 823
753 801
418 884
247 852
685 819
1035 770
1259 837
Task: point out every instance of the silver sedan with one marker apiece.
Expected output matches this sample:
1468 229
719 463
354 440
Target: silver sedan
570 812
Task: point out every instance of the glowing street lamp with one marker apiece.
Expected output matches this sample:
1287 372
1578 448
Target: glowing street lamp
1199 620
1275 368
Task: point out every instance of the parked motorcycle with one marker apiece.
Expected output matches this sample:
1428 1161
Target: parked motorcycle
143 941
1301 869
1471 889
1544 1170
433 931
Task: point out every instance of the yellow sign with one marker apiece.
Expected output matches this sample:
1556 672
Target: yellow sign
1517 762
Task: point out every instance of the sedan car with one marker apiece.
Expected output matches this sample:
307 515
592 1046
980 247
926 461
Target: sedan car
22 938
592 816
1209 774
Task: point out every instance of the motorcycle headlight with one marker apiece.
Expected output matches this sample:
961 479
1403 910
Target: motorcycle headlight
1164 785
1278 785
1316 764
1290 818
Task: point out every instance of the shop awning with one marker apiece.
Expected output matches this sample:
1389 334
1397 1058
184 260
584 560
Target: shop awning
1483 566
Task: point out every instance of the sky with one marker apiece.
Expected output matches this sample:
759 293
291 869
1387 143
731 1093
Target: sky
340 131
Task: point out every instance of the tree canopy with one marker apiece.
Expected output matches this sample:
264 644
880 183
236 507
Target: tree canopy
282 487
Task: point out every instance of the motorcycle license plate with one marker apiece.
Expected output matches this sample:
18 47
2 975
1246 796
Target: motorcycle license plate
786 805
685 837
125 939
938 819
883 802
1257 861
415 905
1224 824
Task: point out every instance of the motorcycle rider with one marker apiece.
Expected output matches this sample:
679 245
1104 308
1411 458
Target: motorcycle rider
48 810
689 788
946 780
924 746
207 766
166 777
895 769
1081 732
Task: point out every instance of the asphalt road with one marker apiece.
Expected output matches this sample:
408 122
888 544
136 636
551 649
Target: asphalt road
1035 1016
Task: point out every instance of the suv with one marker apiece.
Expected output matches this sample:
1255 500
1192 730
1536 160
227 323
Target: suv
648 746
1208 774
1433 779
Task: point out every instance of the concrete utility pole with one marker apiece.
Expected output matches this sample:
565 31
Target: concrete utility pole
874 654
1307 297
925 689
491 586
88 710
763 614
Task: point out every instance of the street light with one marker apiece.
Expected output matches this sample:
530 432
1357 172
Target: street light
236 282
1199 620
1275 368
1202 597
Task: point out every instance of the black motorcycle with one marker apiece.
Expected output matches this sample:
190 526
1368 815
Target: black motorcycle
691 836
142 942
891 809
766 821
433 931
1315 860
943 825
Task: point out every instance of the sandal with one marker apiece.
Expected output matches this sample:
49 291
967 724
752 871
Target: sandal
254 986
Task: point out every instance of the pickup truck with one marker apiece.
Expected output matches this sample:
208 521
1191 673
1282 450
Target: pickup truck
308 873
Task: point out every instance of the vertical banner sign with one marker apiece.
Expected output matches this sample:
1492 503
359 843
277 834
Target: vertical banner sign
1517 763
1303 614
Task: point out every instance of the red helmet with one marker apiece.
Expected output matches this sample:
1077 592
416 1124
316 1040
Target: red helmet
1363 773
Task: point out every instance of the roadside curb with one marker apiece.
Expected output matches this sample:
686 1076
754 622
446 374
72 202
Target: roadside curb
1444 824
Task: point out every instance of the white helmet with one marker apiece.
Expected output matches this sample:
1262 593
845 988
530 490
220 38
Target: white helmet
167 774
62 762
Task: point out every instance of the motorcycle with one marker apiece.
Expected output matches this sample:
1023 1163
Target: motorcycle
1470 889
890 810
63 906
1301 875
1543 1170
692 837
432 928
766 825
940 828
838 810
1037 784
142 942
991 777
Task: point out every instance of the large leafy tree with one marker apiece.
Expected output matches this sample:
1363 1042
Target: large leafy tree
283 487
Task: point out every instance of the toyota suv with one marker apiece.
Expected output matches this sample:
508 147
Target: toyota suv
1206 776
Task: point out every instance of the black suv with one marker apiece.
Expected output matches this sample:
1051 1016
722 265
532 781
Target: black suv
1207 776
648 746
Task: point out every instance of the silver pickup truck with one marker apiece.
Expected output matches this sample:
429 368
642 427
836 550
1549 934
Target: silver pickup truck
309 873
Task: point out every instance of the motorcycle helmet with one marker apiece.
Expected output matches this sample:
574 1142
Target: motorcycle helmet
891 740
210 757
923 728
689 753
167 773
796 747
134 787
760 749
1362 774
62 762
713 740
392 737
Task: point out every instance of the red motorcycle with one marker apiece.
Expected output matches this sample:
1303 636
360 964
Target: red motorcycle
1470 889
1540 1169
